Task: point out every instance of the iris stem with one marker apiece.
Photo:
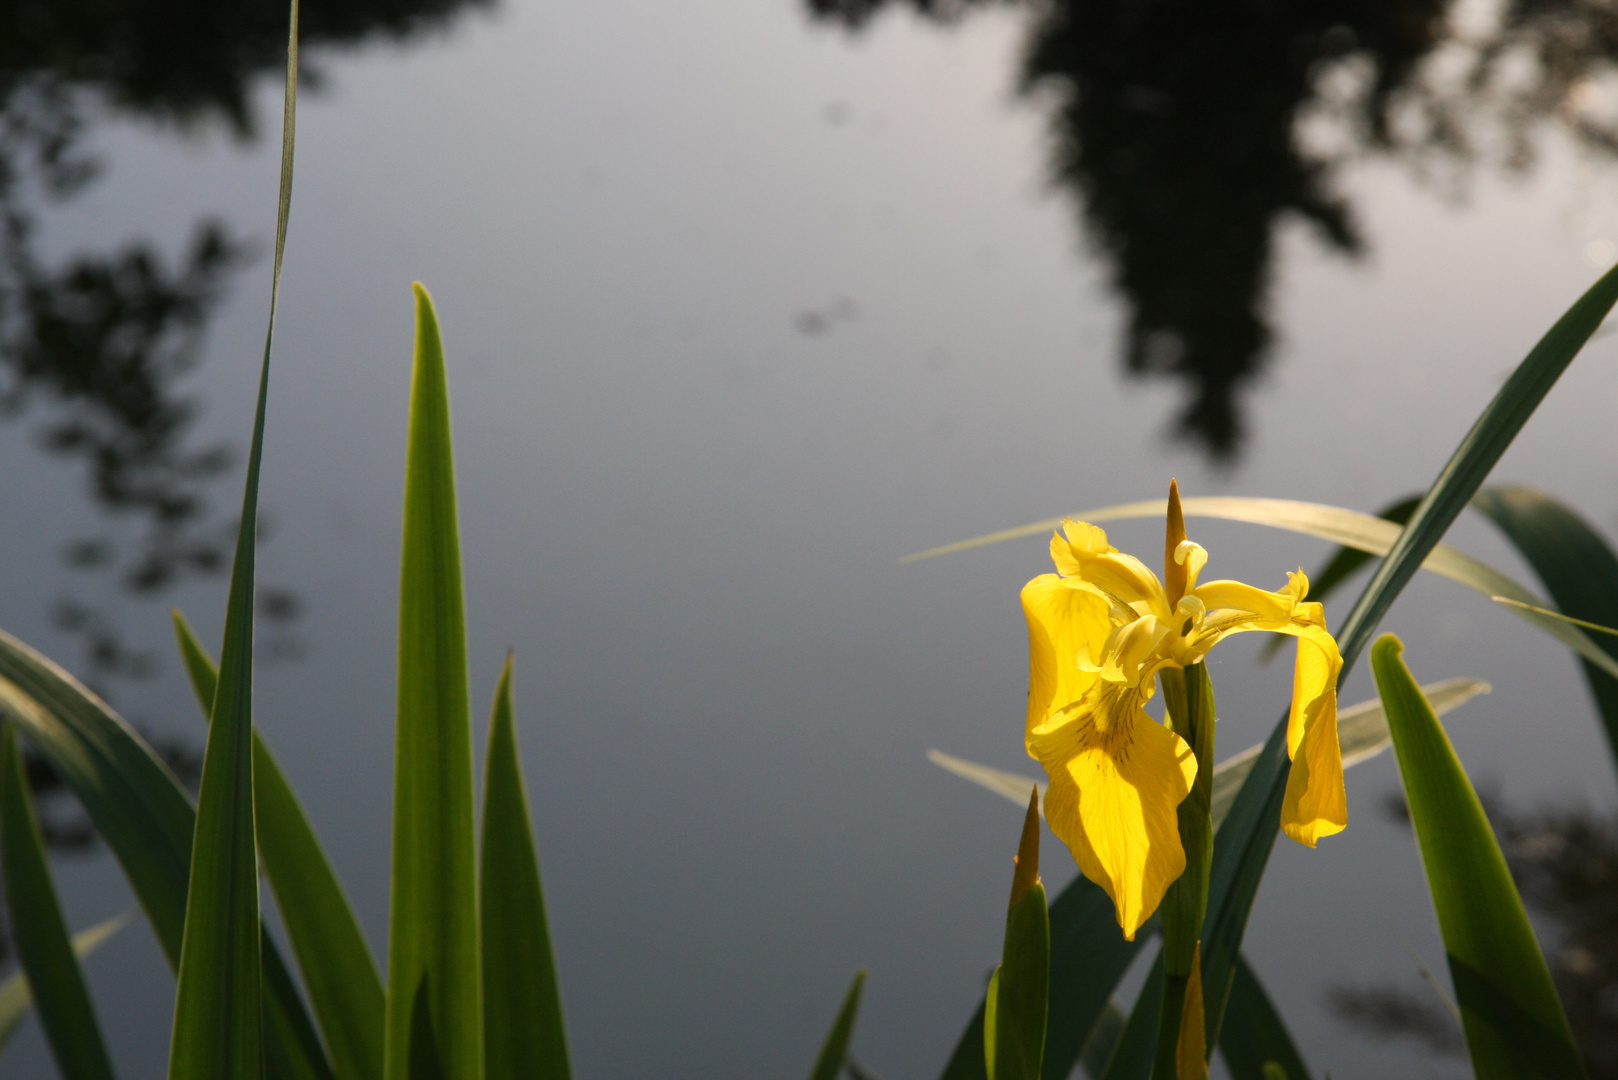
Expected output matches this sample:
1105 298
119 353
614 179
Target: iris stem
1189 711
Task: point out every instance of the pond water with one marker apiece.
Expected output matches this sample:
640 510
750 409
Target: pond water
744 301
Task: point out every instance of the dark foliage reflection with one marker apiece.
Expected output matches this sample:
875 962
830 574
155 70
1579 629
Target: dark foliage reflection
1188 131
96 346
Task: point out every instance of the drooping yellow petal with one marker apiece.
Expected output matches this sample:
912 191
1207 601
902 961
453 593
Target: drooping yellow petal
1191 1052
1117 777
1066 618
1316 802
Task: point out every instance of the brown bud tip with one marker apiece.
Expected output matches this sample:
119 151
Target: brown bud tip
1026 874
1173 572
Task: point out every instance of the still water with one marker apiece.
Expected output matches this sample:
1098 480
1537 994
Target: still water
743 302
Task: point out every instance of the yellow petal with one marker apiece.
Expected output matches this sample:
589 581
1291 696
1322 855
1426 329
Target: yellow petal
1066 617
1117 776
1081 551
1316 803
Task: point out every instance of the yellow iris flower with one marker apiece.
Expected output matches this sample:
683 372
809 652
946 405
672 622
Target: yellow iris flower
1099 631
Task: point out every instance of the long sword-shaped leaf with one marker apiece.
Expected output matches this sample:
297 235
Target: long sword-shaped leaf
218 1011
144 815
345 989
1515 1027
1577 568
523 1033
834 1052
17 997
1362 731
40 932
433 929
1249 832
1254 1034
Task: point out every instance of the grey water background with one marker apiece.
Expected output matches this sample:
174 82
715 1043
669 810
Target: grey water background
741 306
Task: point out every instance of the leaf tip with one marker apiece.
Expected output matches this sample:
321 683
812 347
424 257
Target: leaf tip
1026 874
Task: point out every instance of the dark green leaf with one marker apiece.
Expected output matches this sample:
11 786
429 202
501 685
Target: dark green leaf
1513 1019
433 928
523 1033
1254 1033
16 997
345 989
1132 1056
834 1052
1248 834
1577 567
39 931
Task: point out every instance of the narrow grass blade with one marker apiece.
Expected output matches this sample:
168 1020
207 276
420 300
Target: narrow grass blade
39 931
1362 731
1360 532
218 1012
1255 1035
345 990
1513 1018
1103 1040
433 930
1577 567
17 997
523 1033
834 1052
146 818
1344 563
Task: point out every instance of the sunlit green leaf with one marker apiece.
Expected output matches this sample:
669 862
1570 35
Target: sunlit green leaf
1015 1007
345 990
524 1037
433 954
1512 1016
39 931
834 1052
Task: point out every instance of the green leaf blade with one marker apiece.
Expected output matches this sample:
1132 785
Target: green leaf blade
1577 567
146 818
345 990
834 1051
1510 1011
39 931
524 1034
17 997
1254 1035
433 929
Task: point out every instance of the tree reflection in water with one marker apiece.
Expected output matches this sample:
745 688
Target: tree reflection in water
1188 130
99 344
96 347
